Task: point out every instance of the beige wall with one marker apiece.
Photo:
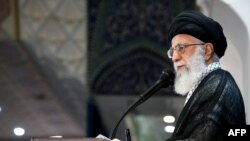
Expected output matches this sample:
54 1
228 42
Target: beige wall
236 24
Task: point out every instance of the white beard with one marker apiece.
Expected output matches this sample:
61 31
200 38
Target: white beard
185 80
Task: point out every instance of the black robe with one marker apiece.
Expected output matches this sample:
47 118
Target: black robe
216 103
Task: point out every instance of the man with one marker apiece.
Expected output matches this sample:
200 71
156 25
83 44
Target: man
213 99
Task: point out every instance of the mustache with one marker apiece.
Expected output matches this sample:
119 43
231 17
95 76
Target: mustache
179 63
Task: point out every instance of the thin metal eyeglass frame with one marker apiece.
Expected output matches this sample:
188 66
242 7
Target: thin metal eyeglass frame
177 48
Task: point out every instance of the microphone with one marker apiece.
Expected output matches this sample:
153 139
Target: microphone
166 79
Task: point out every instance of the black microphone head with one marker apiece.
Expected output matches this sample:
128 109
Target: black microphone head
167 77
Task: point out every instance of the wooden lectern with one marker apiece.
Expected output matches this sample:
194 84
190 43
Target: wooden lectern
66 139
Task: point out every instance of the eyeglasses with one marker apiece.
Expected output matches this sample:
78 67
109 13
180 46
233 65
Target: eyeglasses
180 48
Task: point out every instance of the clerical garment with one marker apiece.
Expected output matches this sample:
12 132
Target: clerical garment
215 104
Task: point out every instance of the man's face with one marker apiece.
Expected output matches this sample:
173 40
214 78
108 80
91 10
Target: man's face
180 59
189 63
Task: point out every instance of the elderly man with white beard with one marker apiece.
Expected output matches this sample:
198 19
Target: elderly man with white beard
213 99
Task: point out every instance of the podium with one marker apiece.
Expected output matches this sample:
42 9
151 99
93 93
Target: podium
65 139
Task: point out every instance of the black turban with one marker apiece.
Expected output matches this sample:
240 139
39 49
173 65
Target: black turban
200 26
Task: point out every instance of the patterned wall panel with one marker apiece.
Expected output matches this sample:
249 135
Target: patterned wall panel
55 34
127 43
56 31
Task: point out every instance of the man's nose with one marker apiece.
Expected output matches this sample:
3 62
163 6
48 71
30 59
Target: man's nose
176 56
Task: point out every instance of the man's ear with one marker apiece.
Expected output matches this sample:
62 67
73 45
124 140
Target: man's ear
209 50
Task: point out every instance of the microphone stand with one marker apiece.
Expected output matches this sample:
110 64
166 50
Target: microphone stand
166 75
